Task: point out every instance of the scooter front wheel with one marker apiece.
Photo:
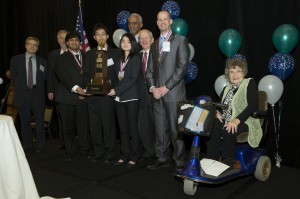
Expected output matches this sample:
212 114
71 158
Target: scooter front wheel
189 187
263 168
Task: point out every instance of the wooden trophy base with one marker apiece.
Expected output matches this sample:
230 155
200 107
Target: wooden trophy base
98 88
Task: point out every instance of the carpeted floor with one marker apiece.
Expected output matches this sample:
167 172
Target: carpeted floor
81 179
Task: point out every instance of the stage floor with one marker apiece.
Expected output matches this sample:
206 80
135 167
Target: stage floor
82 179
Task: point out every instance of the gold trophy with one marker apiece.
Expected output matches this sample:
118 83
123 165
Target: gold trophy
100 84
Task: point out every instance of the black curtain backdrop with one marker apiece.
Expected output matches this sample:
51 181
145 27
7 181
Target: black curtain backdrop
256 21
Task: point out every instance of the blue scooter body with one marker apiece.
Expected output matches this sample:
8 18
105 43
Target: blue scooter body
247 155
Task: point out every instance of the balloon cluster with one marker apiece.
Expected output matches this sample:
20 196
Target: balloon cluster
285 38
122 21
281 66
180 27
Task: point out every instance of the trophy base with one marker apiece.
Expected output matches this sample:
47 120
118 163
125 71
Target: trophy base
98 89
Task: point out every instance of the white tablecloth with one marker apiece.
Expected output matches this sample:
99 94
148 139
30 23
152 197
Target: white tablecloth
16 181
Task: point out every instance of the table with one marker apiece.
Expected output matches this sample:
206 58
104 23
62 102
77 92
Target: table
16 181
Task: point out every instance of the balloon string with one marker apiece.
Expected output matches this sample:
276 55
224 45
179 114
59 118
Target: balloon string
277 156
274 121
279 119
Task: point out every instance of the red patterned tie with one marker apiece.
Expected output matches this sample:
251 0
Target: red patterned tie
144 63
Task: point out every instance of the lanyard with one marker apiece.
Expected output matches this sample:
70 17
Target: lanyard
78 62
166 39
123 64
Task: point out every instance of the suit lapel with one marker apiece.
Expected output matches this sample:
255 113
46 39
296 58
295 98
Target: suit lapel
71 58
161 57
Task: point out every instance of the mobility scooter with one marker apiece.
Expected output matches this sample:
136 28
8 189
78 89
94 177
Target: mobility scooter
253 160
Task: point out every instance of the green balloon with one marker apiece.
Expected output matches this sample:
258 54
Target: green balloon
285 38
230 42
180 27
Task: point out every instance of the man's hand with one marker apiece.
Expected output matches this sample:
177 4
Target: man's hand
163 90
50 96
80 91
156 93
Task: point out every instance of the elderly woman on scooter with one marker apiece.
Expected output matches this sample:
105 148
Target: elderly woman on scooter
241 96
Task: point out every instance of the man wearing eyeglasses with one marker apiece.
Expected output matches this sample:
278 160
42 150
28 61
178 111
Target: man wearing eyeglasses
29 74
135 24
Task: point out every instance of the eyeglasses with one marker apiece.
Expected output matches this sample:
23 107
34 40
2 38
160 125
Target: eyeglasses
133 23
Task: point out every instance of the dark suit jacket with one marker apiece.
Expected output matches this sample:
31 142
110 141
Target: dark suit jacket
170 68
145 95
52 81
69 74
90 66
128 88
19 77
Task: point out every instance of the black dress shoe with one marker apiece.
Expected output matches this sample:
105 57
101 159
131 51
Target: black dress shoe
39 150
158 164
146 158
108 160
131 164
61 147
98 159
119 162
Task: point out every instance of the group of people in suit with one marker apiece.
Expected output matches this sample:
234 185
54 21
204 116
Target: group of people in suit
147 80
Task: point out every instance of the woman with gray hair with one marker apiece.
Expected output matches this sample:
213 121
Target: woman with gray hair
241 96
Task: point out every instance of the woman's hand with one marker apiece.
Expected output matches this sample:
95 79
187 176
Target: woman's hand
232 126
218 115
112 92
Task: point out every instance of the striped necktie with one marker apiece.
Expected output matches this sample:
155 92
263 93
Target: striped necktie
161 41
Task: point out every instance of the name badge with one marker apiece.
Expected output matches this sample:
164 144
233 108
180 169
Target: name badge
166 46
110 62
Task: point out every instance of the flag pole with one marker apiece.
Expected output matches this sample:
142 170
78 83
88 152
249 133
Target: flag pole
79 4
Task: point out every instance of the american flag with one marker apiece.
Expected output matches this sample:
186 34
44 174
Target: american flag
79 28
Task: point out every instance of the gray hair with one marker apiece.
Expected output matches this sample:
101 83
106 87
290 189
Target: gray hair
232 63
137 15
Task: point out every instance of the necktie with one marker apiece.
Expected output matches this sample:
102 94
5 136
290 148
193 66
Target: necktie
144 63
161 41
30 74
77 57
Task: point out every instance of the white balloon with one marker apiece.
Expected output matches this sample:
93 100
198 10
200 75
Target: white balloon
1 80
192 51
273 86
117 36
220 83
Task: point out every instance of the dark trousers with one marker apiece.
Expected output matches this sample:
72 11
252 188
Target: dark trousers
146 128
60 133
165 117
75 120
127 114
32 104
102 126
226 149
